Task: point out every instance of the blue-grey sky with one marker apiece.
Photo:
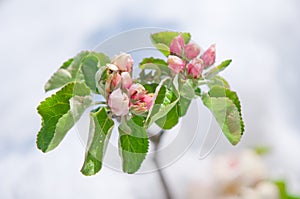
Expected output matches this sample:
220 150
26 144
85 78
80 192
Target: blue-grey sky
262 38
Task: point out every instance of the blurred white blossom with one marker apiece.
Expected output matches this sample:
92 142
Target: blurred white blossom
237 176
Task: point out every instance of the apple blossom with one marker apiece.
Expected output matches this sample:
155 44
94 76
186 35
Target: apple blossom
191 50
136 91
141 100
267 190
143 104
118 102
123 61
175 64
112 67
263 190
126 80
209 56
113 81
116 80
177 45
244 169
195 67
139 108
147 99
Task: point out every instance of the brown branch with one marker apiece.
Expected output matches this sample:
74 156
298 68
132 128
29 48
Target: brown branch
156 141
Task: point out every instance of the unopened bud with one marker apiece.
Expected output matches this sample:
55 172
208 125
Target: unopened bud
209 56
195 68
191 51
177 45
175 64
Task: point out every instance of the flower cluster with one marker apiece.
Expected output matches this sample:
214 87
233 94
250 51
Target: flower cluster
161 95
123 95
184 58
241 176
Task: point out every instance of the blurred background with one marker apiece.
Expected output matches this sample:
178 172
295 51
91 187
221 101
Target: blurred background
36 36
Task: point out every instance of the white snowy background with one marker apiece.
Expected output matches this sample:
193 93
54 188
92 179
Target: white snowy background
36 36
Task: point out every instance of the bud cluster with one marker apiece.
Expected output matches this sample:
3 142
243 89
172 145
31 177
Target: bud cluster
123 95
184 58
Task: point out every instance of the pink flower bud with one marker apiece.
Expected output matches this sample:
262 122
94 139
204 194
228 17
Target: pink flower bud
195 67
147 99
140 100
116 80
209 56
177 45
112 82
112 67
136 91
123 61
143 104
191 51
118 102
126 80
175 64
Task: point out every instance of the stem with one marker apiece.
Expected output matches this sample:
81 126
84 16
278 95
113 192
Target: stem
100 103
156 140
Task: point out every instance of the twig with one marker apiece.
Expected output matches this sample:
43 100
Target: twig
156 141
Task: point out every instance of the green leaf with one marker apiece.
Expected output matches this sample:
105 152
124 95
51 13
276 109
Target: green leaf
59 113
225 106
164 100
61 76
159 63
162 40
218 91
91 65
101 126
167 37
89 69
282 189
163 48
102 58
81 68
68 72
183 105
170 120
281 185
157 68
172 117
214 71
226 115
293 197
198 92
262 150
218 81
133 144
187 89
150 87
